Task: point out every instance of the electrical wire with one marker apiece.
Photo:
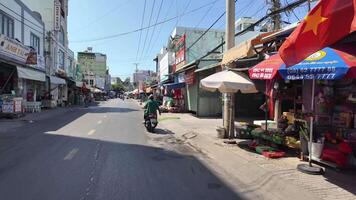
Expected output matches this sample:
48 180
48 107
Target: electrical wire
154 28
281 10
149 24
97 19
204 15
186 7
160 26
140 29
142 20
25 19
207 30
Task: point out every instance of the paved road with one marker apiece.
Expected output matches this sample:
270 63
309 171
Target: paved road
101 152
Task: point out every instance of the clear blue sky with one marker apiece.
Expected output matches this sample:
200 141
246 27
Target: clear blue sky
91 19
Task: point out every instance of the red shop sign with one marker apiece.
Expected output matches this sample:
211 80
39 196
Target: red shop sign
190 77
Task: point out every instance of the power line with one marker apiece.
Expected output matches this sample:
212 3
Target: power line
144 28
186 7
97 19
25 19
281 10
142 19
207 30
154 28
148 30
205 14
160 29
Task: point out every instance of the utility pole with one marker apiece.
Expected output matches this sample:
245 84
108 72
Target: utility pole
133 75
276 19
229 98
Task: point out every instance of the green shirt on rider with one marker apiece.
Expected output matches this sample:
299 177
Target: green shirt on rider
151 107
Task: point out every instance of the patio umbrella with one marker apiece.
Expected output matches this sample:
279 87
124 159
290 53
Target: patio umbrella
228 82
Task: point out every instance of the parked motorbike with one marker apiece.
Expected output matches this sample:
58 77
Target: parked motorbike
151 122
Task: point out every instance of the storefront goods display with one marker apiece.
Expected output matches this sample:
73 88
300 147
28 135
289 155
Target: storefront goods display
273 154
261 149
335 156
11 105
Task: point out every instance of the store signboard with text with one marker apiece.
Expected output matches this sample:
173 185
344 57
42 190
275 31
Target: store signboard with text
164 68
13 49
57 16
190 77
180 55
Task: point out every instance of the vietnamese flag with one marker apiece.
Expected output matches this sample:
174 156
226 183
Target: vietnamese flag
328 22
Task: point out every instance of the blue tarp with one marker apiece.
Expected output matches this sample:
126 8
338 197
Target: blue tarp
322 65
172 86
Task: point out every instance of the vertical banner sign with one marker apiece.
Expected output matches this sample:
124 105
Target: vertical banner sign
190 77
180 53
57 16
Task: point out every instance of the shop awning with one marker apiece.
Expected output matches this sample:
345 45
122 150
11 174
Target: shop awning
173 86
267 69
208 67
30 74
57 81
244 50
327 64
186 67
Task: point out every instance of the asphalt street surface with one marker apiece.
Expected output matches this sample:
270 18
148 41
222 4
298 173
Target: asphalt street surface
100 152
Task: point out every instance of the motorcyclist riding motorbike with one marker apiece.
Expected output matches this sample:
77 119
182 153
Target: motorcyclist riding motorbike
151 107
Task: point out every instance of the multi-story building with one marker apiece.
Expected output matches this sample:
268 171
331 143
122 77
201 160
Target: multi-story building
22 35
144 76
93 69
58 57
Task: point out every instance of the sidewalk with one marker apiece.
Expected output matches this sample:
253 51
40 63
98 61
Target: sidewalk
9 124
273 179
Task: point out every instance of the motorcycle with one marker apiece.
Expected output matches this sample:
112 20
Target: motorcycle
151 122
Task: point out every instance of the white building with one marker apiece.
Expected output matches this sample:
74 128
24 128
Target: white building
58 56
22 35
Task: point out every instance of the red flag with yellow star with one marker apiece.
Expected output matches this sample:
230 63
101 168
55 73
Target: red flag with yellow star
328 22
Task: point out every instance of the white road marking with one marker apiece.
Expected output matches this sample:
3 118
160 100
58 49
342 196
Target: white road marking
71 154
91 132
99 122
105 116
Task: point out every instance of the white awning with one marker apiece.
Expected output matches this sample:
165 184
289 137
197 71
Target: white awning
58 81
30 74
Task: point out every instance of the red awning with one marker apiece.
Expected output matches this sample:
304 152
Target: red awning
267 69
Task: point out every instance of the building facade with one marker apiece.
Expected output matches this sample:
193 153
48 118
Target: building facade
93 70
58 57
22 65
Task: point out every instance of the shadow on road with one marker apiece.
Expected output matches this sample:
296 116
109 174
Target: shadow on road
160 131
38 165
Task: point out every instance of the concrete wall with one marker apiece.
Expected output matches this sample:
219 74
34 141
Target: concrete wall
12 5
209 41
210 103
35 28
25 22
192 97
46 9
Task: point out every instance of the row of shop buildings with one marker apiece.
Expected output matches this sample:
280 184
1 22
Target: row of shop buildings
318 92
37 68
184 61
